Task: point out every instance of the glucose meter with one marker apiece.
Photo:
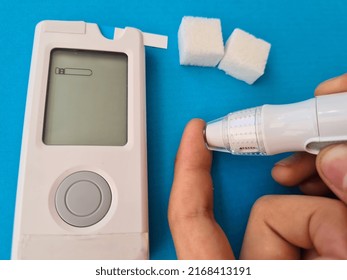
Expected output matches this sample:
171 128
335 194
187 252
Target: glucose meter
82 185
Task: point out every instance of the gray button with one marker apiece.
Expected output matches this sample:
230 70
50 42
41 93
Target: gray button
83 199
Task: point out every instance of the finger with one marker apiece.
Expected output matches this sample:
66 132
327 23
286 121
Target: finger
315 186
195 232
327 169
334 85
300 169
279 226
332 167
295 169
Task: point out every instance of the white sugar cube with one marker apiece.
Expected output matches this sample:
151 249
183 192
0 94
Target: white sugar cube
245 56
200 41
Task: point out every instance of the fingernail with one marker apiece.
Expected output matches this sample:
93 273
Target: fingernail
293 159
334 166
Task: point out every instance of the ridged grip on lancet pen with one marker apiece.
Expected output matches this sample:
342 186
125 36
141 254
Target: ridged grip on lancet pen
242 133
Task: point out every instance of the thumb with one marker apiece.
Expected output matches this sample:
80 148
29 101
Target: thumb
332 167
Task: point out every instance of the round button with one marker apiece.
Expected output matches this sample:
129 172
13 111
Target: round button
83 199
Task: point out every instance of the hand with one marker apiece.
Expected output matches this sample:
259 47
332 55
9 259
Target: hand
325 174
279 226
284 224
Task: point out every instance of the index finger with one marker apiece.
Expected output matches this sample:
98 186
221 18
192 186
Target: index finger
195 232
334 85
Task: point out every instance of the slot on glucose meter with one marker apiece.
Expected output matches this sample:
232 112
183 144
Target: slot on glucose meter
82 183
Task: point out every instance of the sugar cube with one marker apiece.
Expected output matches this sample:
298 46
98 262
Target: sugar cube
245 56
200 41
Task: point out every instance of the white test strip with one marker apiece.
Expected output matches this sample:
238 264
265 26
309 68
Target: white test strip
155 40
149 39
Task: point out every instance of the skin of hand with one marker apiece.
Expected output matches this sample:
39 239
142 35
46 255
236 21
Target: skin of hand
195 232
280 226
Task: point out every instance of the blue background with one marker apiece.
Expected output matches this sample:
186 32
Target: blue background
308 46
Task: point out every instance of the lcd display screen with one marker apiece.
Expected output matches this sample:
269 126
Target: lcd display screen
86 101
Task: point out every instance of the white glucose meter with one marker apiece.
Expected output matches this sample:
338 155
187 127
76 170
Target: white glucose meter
82 186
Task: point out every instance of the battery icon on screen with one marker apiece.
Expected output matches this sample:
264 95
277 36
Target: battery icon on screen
73 71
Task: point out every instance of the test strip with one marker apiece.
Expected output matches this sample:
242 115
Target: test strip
155 40
149 39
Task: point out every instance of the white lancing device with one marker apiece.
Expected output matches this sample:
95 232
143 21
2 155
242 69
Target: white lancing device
272 129
82 184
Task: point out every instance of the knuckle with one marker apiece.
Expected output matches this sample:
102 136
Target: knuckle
187 214
264 202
